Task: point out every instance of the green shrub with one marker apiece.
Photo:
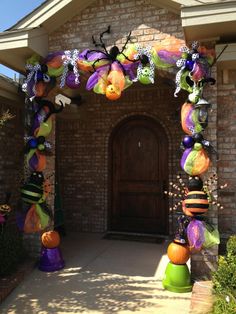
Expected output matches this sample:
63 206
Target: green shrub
224 281
224 305
231 246
11 249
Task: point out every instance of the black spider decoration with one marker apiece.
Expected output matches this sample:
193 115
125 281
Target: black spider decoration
110 55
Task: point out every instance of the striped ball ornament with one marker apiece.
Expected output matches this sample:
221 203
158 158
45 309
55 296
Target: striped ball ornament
195 203
31 193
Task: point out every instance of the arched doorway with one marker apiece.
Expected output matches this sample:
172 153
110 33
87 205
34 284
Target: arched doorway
139 175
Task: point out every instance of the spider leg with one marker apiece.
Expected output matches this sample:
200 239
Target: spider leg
127 40
102 44
101 38
93 65
123 69
128 58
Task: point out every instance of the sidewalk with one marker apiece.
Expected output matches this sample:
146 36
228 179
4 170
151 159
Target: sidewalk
101 276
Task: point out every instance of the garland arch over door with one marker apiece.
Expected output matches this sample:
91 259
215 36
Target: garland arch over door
139 175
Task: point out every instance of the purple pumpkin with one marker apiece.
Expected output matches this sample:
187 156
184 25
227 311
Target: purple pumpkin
71 81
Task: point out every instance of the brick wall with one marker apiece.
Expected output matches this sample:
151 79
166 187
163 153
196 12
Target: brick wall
83 142
147 23
226 98
82 147
83 132
11 151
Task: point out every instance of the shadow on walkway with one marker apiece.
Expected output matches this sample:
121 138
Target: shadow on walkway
101 276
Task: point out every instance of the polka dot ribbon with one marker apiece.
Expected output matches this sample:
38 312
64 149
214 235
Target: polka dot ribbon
181 63
70 57
33 71
145 52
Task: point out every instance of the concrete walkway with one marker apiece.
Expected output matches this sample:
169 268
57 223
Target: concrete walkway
101 276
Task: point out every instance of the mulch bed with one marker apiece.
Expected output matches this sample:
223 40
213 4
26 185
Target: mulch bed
9 283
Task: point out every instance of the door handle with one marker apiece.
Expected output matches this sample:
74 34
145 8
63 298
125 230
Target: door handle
164 188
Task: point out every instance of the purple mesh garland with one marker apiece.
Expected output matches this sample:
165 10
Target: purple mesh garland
33 162
184 157
195 233
169 57
36 123
131 70
92 81
91 56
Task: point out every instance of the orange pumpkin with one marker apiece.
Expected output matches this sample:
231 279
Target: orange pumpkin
112 92
178 253
50 239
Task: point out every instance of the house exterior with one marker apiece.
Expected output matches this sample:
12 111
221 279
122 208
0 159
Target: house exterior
12 140
105 177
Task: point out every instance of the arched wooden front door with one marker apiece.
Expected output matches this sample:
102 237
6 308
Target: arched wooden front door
139 174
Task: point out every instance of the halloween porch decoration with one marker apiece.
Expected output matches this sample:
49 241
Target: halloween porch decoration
195 203
37 216
110 72
50 257
194 118
177 276
195 64
36 189
192 231
197 196
50 239
195 160
180 190
44 104
178 253
111 68
34 192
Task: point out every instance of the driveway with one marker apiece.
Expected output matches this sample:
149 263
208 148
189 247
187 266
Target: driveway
101 276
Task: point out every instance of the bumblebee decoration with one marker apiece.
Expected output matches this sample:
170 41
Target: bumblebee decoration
34 193
195 203
195 197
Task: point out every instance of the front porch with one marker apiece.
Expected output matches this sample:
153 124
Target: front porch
101 276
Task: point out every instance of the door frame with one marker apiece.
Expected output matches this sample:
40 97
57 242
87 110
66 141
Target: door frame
113 133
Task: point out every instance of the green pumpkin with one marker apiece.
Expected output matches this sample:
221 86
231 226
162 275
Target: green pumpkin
144 76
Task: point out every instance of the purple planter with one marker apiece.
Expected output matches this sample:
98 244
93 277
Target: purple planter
51 260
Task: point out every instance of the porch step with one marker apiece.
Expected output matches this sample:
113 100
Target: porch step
139 237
